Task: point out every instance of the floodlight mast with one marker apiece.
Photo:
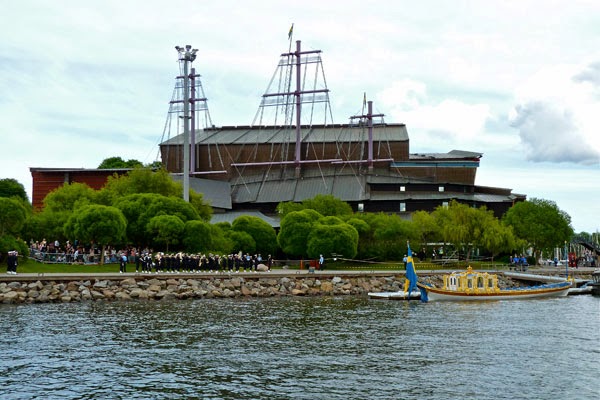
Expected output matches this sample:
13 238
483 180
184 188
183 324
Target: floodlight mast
187 56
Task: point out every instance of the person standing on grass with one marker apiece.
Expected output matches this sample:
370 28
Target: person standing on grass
11 262
123 263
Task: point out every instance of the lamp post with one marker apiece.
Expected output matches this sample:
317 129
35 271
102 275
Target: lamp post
186 55
566 262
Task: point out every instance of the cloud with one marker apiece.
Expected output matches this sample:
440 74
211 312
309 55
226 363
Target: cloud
590 74
450 120
551 134
556 115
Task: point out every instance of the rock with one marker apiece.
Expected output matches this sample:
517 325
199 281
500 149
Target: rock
14 285
10 297
246 291
161 294
327 287
298 292
128 282
122 296
101 284
336 279
96 295
65 299
262 267
108 294
154 288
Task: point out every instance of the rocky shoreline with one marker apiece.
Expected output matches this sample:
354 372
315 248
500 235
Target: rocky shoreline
164 288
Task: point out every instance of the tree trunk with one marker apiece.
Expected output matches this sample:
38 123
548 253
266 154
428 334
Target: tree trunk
102 254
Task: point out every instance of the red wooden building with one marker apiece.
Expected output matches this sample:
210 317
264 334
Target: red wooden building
46 180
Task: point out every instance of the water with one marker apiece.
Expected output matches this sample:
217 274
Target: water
302 348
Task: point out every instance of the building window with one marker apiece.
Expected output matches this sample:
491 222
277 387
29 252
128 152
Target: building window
361 207
441 188
445 204
402 207
403 188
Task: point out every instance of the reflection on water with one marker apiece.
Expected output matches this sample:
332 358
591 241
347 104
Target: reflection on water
301 348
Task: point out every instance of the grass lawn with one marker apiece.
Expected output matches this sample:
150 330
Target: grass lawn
33 267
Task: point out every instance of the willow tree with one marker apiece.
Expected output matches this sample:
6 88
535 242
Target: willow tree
469 227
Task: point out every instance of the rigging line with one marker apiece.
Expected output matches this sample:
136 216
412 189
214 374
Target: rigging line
261 105
326 93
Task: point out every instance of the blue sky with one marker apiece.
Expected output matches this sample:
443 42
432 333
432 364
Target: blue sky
516 81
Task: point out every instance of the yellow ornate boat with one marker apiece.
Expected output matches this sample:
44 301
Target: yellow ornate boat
471 285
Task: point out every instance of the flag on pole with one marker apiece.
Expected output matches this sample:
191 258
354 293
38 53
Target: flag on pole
291 31
411 275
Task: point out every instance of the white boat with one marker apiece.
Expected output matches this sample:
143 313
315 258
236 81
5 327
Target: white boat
584 289
399 295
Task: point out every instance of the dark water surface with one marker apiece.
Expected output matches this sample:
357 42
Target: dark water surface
302 348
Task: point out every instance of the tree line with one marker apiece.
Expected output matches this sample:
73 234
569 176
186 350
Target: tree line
144 208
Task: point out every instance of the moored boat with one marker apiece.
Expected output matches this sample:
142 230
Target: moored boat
595 284
471 285
399 295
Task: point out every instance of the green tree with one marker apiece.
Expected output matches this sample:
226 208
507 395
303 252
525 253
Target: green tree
263 234
12 188
139 209
145 180
118 163
468 228
69 196
12 216
197 236
219 240
327 205
165 229
540 223
332 238
47 224
98 224
498 238
390 233
426 227
294 230
11 243
241 241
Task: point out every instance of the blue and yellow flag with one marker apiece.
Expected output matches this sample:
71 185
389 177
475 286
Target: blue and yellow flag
411 275
291 31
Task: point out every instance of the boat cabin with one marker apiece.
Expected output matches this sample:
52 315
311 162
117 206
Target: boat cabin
470 281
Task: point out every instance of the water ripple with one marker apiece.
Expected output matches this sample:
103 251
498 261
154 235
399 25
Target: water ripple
301 348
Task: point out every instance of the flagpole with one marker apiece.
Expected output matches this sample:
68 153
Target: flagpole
290 36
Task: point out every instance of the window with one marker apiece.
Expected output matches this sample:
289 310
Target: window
445 204
441 188
403 188
361 207
402 207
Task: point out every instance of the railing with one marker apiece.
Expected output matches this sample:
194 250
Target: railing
69 258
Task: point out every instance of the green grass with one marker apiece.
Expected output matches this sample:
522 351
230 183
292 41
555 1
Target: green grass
31 266
34 267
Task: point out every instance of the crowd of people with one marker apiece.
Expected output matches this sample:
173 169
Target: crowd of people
145 262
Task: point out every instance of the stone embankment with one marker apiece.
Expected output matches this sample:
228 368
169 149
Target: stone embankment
45 291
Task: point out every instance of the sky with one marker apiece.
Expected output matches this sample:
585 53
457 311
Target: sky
518 82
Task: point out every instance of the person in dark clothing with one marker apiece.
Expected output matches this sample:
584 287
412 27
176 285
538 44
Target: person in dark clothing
11 262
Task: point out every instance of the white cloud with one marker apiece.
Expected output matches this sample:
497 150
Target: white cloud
446 121
556 115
